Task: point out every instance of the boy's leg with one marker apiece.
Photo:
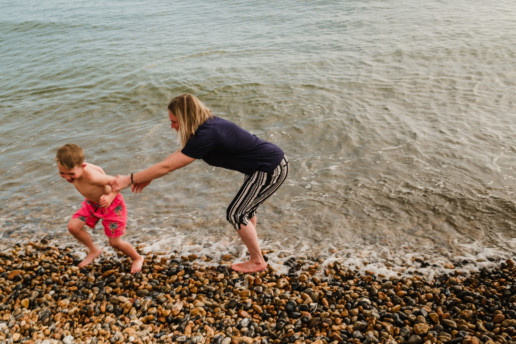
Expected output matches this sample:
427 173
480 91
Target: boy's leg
76 228
114 223
128 250
256 261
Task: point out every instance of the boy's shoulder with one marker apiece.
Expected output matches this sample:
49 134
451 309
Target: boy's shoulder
91 172
91 167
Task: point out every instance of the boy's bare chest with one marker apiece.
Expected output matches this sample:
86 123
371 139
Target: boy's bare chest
90 191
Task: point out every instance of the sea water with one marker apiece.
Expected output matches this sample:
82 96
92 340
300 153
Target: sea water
398 118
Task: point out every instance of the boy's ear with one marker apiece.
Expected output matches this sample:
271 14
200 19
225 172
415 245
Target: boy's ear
83 165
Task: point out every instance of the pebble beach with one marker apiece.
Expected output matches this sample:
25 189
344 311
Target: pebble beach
47 299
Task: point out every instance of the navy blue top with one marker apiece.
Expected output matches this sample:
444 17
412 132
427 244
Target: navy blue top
222 143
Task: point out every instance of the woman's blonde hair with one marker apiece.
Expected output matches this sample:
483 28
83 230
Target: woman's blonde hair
190 113
70 155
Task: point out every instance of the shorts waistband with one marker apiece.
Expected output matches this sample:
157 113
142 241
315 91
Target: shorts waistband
97 205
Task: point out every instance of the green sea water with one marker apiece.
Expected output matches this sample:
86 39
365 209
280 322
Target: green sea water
398 118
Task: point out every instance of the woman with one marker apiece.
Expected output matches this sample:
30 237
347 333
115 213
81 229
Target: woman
224 144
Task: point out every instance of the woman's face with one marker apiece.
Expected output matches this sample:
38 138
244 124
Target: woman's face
174 124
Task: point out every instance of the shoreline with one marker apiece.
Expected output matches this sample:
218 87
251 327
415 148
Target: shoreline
47 299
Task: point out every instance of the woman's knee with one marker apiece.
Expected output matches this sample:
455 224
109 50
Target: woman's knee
230 216
233 219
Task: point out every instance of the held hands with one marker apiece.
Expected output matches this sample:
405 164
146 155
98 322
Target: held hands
121 182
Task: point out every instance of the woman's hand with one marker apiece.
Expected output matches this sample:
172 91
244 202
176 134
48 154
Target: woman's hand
138 187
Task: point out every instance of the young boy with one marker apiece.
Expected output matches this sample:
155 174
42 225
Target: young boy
91 181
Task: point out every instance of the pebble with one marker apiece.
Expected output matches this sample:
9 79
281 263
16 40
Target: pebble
47 299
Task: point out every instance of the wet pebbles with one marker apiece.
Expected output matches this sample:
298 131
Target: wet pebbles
47 299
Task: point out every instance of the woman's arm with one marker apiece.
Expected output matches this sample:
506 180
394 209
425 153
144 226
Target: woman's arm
143 178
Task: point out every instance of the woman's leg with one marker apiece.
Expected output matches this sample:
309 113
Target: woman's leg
256 189
256 261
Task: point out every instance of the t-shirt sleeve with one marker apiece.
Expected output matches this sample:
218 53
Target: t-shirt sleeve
198 145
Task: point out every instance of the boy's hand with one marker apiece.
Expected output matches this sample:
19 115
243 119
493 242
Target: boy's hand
105 200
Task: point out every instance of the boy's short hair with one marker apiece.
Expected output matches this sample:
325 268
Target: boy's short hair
70 155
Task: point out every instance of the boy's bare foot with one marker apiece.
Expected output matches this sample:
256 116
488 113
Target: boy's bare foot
137 265
249 267
90 257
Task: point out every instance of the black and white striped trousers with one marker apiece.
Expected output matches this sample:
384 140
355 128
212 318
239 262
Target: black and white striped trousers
256 189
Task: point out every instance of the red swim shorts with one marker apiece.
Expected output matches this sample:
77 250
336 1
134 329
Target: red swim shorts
114 218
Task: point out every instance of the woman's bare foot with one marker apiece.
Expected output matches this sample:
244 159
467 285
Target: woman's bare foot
249 266
137 265
90 257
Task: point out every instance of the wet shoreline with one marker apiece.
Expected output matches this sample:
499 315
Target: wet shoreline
46 298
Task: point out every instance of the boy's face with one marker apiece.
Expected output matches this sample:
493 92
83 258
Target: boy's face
70 174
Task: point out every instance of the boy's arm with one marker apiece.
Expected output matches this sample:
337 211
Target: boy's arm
109 195
98 177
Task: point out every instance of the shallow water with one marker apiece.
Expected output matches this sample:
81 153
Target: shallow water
398 118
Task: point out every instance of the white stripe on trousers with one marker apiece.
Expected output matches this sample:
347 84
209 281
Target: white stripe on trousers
256 189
